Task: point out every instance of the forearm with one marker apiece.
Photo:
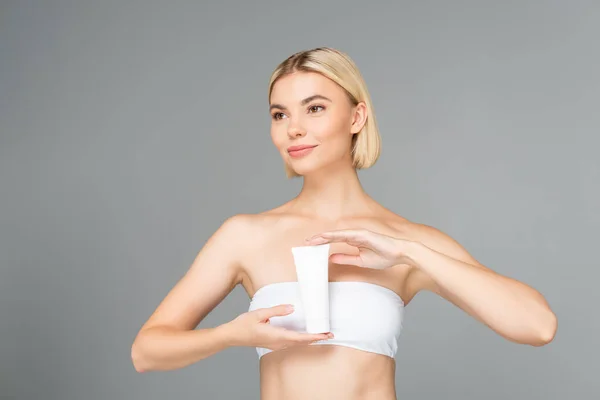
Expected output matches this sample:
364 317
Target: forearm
509 307
163 348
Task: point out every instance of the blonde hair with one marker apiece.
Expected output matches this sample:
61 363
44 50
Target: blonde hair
339 67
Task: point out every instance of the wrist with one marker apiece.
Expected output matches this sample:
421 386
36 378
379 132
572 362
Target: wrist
409 252
230 335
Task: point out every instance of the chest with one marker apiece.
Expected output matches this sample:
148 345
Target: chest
271 260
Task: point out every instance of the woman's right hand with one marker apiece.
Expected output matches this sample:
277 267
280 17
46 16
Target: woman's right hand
254 330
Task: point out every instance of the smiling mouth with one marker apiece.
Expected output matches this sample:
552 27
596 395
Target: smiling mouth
301 152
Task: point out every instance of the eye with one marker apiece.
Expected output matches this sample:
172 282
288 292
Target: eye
312 108
277 115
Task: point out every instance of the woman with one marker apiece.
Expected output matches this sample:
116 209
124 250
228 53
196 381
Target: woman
324 127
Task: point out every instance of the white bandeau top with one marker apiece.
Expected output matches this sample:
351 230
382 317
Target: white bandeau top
363 315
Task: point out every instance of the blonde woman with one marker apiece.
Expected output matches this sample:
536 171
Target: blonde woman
324 126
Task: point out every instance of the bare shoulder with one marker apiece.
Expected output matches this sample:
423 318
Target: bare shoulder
434 239
236 227
247 232
255 223
440 241
243 227
243 232
214 272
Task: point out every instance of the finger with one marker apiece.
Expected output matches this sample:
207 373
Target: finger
299 337
353 237
347 259
279 310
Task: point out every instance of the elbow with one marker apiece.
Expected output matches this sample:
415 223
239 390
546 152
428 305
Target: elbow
136 359
139 358
546 331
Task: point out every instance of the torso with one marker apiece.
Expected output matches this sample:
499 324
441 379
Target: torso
326 371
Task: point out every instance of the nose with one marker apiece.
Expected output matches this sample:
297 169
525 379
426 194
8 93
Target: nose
295 130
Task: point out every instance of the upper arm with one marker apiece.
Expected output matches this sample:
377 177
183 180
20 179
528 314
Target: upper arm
439 241
213 274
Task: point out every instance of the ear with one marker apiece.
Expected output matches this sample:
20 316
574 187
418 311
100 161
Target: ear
359 117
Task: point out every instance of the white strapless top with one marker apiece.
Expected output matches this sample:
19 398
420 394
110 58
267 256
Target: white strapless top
363 315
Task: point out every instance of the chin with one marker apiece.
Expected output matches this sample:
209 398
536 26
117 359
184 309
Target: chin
304 170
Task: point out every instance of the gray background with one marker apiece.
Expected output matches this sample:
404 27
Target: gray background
131 130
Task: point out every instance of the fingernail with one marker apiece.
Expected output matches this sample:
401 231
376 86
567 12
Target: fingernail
290 307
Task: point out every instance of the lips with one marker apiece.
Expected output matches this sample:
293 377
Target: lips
300 147
300 151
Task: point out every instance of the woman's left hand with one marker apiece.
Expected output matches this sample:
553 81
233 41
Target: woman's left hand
376 250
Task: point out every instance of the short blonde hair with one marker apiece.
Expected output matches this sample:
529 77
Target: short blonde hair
340 68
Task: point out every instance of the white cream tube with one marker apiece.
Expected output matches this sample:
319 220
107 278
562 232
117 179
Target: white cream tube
312 269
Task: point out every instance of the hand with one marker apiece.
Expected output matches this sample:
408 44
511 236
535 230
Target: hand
376 250
254 330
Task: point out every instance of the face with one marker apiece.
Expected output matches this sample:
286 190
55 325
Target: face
313 122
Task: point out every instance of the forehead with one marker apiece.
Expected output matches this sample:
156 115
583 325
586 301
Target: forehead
300 85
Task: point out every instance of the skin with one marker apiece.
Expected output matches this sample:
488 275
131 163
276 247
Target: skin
368 243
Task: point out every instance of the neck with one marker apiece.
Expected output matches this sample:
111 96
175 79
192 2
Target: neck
332 194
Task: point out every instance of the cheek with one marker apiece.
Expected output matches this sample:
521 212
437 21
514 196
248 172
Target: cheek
332 128
277 136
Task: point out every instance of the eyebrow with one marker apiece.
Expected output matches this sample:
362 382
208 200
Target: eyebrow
303 102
